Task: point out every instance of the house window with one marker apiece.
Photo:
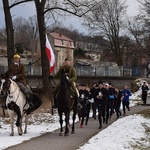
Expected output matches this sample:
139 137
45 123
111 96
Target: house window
62 42
70 43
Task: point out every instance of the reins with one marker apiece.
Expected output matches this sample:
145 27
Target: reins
13 91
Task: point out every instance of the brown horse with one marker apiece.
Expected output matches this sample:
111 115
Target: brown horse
65 104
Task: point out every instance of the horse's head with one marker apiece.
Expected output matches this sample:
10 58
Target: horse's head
64 78
4 86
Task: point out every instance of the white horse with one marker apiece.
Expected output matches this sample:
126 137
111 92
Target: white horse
16 104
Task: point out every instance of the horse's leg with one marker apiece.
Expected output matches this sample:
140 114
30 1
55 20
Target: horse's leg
26 123
61 122
20 127
73 118
19 119
67 122
11 114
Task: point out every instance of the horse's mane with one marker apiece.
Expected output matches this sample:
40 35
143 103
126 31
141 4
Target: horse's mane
14 83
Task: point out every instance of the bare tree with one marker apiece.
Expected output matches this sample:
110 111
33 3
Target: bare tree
9 31
9 26
53 7
145 17
137 32
26 33
107 20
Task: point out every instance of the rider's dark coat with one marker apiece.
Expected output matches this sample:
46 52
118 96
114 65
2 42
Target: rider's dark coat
16 70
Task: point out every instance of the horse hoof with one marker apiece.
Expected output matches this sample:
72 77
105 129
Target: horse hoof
100 127
11 135
72 132
61 133
66 134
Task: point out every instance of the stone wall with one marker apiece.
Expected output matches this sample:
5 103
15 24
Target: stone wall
36 81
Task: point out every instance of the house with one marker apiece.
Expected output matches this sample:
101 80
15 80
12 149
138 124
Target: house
63 47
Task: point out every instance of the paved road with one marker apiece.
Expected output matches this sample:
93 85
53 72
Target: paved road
52 140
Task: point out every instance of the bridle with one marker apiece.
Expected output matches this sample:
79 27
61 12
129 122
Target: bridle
6 89
64 80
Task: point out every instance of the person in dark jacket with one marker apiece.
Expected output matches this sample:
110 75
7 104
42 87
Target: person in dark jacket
111 98
145 89
118 96
101 101
83 98
92 91
89 102
126 93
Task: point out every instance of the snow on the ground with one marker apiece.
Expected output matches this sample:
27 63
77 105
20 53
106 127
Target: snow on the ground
119 136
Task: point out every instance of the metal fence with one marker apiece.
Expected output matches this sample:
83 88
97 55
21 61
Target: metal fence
110 71
91 71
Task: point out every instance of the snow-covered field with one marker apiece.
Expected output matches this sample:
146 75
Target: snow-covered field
123 134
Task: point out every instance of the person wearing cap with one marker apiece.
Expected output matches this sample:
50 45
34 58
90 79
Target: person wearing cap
16 72
71 72
145 89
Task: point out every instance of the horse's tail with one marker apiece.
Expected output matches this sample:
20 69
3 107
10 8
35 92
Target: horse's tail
37 103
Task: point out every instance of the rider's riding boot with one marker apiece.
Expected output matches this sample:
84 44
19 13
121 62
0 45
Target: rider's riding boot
79 106
29 99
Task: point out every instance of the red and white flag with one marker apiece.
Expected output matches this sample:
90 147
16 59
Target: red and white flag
50 55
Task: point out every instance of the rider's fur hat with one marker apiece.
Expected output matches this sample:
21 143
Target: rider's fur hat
16 56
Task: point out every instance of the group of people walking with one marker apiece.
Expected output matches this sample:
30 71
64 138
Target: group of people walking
104 99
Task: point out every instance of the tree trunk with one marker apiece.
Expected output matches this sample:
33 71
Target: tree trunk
47 87
9 31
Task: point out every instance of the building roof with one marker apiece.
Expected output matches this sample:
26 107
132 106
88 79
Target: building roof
60 36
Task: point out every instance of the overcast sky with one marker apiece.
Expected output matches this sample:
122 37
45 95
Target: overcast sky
27 10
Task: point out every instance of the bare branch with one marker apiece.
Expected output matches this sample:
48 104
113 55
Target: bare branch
19 2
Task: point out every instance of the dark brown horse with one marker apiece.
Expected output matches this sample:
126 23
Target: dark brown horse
65 104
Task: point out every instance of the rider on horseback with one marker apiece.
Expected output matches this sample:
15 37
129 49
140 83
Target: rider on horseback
16 72
72 78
